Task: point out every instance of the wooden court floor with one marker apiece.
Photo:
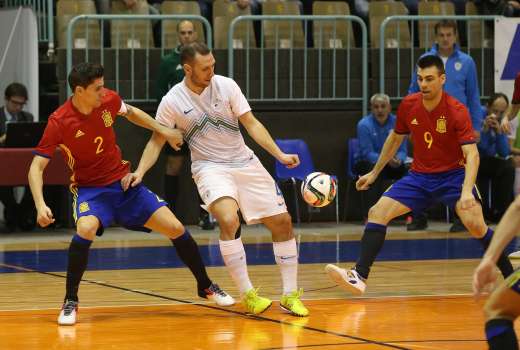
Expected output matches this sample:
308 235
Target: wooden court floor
409 304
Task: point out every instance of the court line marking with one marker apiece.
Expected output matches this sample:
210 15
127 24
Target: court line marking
211 307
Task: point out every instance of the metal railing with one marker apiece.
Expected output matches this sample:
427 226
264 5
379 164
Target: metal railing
305 96
45 16
132 18
382 32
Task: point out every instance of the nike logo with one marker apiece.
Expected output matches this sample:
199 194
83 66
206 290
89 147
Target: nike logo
188 111
286 257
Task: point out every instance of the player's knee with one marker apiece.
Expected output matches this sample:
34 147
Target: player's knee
284 222
177 228
229 222
375 213
516 203
87 228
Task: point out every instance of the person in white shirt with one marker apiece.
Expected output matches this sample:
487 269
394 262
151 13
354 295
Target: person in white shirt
207 109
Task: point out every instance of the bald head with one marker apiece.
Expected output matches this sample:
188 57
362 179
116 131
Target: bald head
186 32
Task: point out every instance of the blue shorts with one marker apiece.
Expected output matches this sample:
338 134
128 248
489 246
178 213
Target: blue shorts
418 191
110 204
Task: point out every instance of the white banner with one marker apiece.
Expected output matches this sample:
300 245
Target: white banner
19 54
507 54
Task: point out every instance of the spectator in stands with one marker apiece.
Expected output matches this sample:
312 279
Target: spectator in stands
496 164
171 72
461 83
12 112
372 131
508 8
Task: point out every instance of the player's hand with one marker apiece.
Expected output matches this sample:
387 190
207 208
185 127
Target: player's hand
364 182
174 137
131 180
44 216
2 139
467 201
484 276
395 162
289 160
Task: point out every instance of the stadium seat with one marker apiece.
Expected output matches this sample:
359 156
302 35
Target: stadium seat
84 34
282 34
480 35
284 174
223 13
397 33
169 28
344 36
426 28
131 33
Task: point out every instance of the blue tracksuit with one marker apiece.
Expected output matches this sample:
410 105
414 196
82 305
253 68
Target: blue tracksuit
372 136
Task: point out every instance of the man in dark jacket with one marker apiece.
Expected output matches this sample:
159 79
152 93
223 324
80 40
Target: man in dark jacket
12 112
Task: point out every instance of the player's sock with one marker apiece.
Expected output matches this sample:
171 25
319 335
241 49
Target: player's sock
77 264
371 244
501 335
171 190
503 262
234 257
286 256
188 251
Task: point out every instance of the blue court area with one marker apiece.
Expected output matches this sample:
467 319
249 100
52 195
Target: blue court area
257 254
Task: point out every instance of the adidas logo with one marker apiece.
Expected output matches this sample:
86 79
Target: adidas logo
415 122
79 133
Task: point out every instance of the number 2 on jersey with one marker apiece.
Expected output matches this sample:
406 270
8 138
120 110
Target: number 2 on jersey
99 141
428 138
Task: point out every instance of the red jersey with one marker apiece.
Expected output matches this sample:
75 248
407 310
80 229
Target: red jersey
437 136
88 142
516 91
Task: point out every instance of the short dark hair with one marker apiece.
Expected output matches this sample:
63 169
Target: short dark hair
445 23
84 74
15 89
189 51
430 61
495 97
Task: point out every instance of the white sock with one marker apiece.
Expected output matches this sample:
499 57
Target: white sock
286 257
517 181
234 257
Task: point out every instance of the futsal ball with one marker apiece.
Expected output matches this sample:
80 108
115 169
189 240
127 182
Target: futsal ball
318 189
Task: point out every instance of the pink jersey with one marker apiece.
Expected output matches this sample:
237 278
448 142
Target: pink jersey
88 142
437 136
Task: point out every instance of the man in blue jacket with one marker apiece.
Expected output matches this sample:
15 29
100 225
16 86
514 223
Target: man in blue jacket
372 131
461 83
496 164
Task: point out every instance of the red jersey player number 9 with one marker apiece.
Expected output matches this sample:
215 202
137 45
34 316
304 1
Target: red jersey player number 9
428 138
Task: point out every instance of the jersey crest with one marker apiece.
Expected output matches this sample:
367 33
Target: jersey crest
441 125
107 118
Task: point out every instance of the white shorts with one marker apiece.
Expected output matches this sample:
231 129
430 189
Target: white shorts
250 185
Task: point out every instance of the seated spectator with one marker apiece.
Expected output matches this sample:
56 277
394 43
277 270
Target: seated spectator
496 164
12 112
372 131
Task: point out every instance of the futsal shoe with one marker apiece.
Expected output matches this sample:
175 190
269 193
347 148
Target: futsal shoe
292 304
214 293
515 255
68 313
254 303
349 280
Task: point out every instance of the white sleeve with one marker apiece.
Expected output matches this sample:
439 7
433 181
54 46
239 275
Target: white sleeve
166 114
122 110
238 101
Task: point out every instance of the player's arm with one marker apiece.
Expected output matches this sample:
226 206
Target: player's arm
507 228
38 165
472 158
259 133
143 119
148 159
392 144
